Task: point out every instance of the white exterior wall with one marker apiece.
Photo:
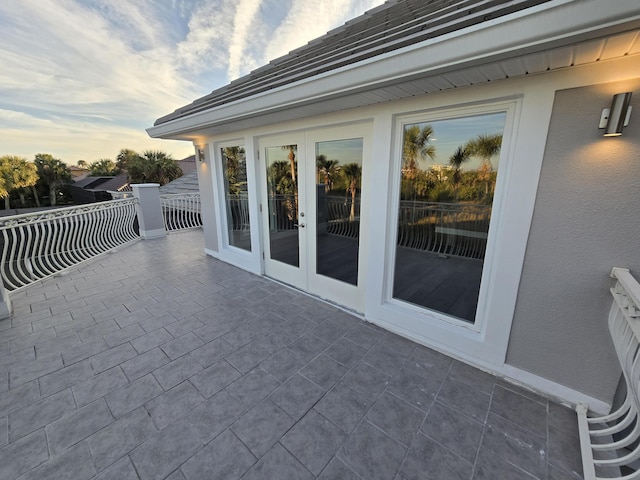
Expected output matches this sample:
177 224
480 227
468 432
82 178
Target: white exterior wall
530 102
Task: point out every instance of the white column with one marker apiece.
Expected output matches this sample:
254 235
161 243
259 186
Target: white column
149 209
5 303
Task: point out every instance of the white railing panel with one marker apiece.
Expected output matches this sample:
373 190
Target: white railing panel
181 211
610 444
38 245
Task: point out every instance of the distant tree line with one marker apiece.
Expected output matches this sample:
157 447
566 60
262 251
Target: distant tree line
43 181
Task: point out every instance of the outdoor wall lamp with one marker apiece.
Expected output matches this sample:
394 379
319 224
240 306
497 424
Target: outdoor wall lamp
614 119
200 154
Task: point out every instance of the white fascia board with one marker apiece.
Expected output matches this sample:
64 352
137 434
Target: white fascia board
543 27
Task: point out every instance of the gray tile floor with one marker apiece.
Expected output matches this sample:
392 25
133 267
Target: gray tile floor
157 361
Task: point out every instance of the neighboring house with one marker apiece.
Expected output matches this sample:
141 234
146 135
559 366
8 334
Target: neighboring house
78 173
502 261
187 183
188 164
97 189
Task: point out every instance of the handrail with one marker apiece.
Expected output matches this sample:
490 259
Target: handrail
38 245
181 211
613 441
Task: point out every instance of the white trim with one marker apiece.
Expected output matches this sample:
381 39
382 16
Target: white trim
553 390
485 340
248 260
230 261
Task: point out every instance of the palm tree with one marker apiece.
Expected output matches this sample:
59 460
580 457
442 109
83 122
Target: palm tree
327 168
154 166
16 173
353 172
292 161
460 156
416 145
53 173
82 163
103 168
485 147
125 157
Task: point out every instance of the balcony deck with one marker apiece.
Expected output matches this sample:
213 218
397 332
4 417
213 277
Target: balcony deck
157 361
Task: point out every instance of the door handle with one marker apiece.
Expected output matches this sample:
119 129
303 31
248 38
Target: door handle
300 225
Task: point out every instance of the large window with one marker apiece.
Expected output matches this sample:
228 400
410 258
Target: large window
448 178
234 168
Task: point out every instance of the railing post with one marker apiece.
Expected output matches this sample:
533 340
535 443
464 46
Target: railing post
150 220
5 303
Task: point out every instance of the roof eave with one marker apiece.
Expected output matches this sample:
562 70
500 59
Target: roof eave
556 23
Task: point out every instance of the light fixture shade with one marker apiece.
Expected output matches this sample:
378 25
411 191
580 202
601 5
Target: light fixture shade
617 114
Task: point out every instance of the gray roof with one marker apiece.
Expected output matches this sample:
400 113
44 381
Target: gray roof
187 183
389 27
103 183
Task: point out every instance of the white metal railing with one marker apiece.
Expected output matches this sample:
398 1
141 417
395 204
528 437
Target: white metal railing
457 229
612 442
181 211
238 212
38 245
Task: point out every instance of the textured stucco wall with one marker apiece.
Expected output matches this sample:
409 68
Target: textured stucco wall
586 221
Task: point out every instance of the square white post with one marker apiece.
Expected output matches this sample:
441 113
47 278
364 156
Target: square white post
150 220
5 303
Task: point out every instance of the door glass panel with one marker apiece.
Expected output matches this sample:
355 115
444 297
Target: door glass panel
234 167
448 178
338 176
282 191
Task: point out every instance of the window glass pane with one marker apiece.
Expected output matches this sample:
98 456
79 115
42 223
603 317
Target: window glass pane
234 167
448 178
338 176
282 190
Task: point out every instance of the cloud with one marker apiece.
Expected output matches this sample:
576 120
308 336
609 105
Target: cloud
242 36
308 19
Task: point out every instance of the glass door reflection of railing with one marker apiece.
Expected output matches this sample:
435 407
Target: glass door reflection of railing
456 229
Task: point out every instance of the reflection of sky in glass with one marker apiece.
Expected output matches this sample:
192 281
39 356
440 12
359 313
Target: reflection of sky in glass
345 151
280 154
450 134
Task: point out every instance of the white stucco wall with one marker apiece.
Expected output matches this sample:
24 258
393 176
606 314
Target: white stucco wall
586 221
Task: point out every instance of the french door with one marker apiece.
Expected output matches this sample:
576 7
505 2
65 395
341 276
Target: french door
312 211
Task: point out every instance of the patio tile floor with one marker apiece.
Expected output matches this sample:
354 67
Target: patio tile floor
157 361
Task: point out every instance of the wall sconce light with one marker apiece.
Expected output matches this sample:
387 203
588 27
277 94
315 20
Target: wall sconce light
200 154
614 119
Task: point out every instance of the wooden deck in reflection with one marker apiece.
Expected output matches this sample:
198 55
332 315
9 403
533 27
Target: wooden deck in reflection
447 284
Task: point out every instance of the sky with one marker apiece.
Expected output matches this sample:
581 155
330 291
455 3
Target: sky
82 79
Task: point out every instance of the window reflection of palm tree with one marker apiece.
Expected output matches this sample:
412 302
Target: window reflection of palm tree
460 156
485 147
416 146
328 169
353 173
293 149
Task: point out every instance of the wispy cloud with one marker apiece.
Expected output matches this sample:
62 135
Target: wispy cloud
241 37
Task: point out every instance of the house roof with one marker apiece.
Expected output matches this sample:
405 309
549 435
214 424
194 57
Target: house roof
187 183
391 26
412 47
117 183
187 164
